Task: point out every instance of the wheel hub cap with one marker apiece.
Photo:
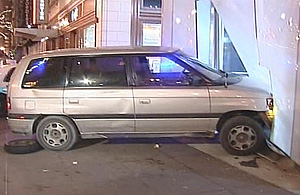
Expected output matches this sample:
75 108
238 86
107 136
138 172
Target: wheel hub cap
242 137
55 134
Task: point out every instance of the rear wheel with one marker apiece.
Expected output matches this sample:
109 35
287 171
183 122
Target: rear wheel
56 133
242 135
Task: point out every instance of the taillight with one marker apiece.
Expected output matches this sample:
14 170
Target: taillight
8 104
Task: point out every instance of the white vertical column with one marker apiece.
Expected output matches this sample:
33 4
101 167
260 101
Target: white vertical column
295 150
167 23
99 12
116 22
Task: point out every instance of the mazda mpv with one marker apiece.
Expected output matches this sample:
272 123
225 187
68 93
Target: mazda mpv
134 92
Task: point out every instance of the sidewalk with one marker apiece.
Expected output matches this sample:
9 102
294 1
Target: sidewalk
273 168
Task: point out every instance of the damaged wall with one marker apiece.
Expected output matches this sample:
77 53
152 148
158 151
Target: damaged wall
276 47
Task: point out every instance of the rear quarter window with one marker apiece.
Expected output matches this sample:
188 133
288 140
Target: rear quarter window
44 73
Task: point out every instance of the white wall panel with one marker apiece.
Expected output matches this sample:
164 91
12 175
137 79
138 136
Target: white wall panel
238 18
277 26
178 29
276 48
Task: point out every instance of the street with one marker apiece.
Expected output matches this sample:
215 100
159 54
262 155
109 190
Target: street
120 166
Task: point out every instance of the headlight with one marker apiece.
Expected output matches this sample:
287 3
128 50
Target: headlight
270 108
270 103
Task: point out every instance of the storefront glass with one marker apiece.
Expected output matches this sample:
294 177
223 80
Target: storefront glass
231 61
151 34
214 46
89 36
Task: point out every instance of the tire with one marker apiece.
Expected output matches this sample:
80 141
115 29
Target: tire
22 146
56 133
242 135
3 105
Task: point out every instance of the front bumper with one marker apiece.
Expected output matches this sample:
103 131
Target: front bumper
21 126
268 124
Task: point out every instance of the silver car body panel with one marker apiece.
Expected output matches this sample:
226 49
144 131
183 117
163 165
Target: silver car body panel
171 109
235 100
37 101
21 126
100 109
238 97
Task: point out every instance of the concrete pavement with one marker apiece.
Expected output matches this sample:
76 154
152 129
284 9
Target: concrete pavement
124 167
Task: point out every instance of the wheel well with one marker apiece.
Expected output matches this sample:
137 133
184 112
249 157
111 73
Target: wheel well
252 114
41 117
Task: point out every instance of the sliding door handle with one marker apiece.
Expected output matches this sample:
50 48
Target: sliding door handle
146 101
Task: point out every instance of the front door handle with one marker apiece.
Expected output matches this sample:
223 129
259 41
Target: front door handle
72 101
147 101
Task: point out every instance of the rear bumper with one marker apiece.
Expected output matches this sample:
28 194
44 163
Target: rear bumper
21 126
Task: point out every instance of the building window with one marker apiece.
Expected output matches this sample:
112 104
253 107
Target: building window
152 4
89 36
214 46
151 34
229 58
146 19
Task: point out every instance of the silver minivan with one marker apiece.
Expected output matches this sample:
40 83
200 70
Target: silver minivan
134 91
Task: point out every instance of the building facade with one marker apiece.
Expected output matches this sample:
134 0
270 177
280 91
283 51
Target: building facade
5 28
100 23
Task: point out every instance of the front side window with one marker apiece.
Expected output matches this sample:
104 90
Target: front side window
97 72
161 71
45 73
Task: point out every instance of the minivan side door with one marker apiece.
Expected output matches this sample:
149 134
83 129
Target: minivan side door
97 95
168 98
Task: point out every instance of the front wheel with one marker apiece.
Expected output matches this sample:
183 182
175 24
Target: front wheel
242 135
56 133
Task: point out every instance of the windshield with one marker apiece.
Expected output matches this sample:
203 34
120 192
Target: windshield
207 71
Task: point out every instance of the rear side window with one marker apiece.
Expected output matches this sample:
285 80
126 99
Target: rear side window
97 72
45 73
8 75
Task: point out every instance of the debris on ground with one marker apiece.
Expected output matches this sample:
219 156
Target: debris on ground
156 146
250 163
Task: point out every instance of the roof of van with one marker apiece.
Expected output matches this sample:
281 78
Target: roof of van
104 50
